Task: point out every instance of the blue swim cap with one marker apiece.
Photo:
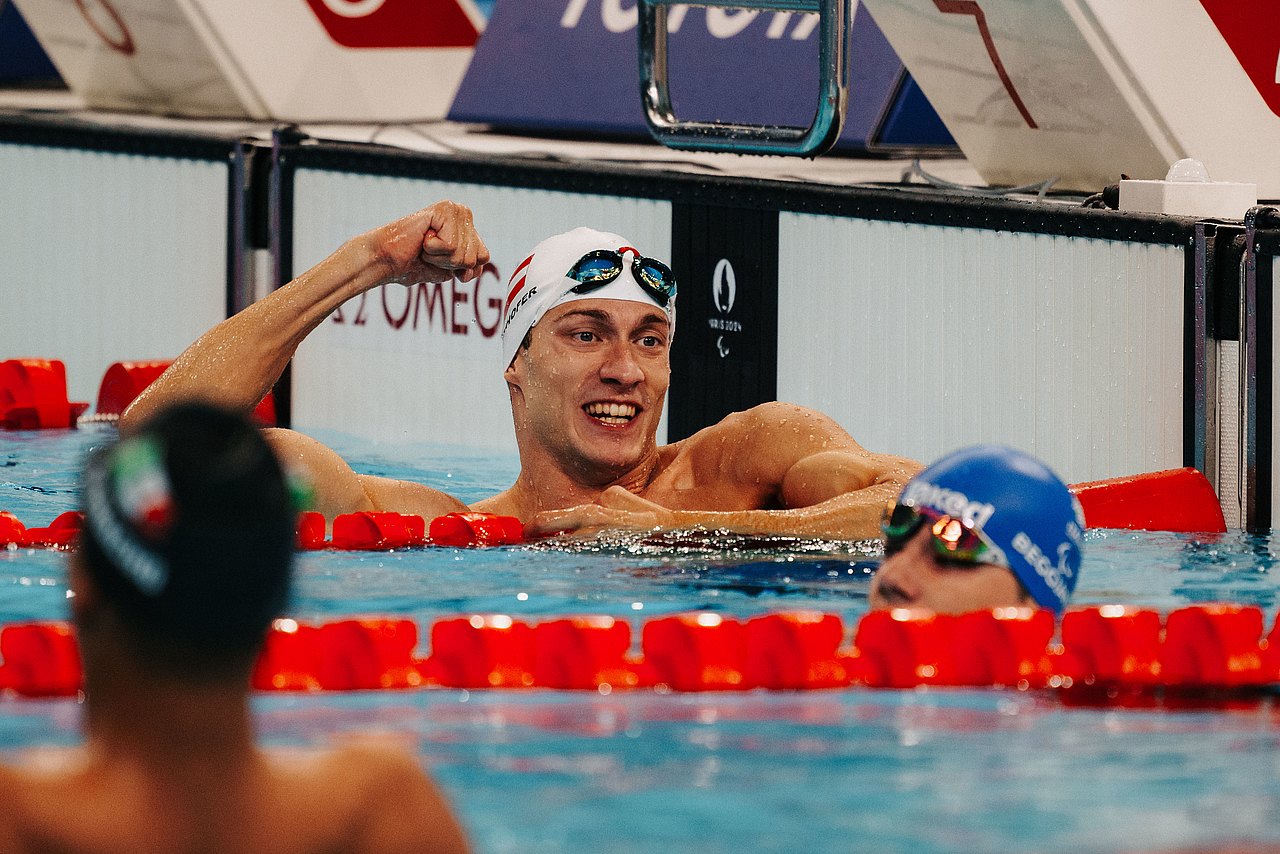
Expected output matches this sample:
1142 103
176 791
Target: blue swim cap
1020 506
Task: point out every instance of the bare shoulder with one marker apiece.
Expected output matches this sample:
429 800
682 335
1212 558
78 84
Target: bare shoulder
339 489
778 419
404 810
12 819
768 437
404 496
33 813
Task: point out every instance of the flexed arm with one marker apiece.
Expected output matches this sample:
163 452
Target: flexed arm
236 362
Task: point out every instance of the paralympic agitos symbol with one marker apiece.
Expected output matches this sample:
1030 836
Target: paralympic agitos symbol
724 292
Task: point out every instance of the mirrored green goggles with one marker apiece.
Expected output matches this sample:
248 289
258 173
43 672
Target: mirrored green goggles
599 268
954 540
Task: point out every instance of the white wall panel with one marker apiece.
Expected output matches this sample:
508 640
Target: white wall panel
106 257
920 339
429 382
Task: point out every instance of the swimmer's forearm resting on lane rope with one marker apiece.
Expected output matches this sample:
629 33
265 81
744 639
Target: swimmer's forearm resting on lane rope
850 516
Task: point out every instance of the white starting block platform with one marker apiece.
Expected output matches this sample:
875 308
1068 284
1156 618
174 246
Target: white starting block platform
307 60
1085 90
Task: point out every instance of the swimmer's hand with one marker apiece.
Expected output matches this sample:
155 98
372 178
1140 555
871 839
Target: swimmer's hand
435 244
615 510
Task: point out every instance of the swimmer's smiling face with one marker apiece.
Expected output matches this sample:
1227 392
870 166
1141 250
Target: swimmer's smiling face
915 577
590 387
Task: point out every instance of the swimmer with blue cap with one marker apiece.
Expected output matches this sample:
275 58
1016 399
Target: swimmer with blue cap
587 325
185 559
984 527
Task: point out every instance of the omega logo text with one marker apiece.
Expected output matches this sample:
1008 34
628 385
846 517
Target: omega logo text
448 308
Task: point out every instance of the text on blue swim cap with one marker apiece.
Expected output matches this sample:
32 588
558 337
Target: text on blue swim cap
975 514
1053 576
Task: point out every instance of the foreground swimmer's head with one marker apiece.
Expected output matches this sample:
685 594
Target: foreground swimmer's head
595 318
984 527
187 547
582 264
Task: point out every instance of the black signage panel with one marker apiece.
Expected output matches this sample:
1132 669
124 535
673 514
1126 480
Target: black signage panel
725 354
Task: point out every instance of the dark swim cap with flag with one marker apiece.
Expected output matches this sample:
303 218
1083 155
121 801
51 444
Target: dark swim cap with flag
1025 512
190 526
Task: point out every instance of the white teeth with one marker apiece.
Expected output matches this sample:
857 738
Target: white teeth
612 413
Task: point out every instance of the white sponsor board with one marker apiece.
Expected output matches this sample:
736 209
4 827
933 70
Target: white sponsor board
423 363
297 60
922 339
108 257
1085 90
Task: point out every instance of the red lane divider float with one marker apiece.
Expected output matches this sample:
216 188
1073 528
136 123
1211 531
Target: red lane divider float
364 531
1108 655
124 381
33 395
1174 500
60 533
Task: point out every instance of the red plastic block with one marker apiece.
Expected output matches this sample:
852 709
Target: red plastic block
1174 500
311 531
12 531
290 658
367 654
1111 644
582 652
796 649
33 395
1270 647
476 529
1004 646
62 531
378 530
696 652
1214 645
902 648
124 381
41 659
481 652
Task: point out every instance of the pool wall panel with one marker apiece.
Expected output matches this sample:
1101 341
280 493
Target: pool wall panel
1271 389
920 339
919 320
428 367
108 256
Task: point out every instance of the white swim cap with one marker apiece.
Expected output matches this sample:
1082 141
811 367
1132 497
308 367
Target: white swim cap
542 281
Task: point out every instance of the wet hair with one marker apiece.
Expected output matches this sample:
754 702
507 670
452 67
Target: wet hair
189 537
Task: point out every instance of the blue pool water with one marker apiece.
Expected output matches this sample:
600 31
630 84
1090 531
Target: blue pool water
936 770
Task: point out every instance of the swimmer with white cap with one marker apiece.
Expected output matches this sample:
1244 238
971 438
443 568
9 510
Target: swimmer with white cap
983 527
587 329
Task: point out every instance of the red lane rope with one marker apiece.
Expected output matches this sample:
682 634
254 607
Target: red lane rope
1103 655
363 531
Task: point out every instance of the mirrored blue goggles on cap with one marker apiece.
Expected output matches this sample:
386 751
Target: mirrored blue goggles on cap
953 539
599 268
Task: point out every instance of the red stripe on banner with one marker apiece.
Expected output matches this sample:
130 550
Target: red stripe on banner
970 7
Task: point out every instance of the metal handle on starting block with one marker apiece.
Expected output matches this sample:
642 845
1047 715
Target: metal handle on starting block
833 85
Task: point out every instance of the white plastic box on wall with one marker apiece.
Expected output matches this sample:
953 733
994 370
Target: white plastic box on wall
1085 90
293 60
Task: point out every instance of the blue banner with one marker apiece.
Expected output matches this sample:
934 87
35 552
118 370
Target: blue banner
570 66
21 57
